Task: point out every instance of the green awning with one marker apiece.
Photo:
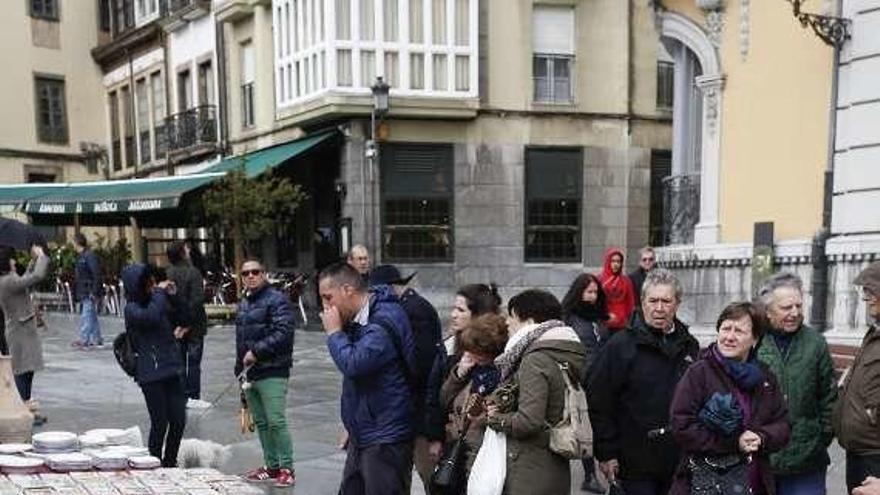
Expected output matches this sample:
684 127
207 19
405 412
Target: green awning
116 196
13 197
257 162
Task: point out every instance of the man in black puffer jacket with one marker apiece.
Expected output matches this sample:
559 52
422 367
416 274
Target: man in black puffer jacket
264 345
630 389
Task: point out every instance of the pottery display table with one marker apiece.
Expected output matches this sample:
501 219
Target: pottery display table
163 481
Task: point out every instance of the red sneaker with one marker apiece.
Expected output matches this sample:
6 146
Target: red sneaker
285 478
261 474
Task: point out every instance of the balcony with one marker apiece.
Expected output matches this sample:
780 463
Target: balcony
681 207
192 132
177 13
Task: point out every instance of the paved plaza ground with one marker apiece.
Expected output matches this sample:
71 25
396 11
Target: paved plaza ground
81 390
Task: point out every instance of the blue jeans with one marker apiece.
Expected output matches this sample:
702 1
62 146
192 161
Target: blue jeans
812 483
89 329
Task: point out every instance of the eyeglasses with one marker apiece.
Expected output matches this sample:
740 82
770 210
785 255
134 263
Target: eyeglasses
249 273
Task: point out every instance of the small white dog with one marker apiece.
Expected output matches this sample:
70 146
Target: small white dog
196 453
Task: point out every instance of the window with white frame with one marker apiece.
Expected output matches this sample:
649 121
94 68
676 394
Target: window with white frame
553 53
146 11
420 47
248 75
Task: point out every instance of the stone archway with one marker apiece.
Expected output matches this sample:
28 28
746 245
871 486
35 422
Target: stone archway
711 85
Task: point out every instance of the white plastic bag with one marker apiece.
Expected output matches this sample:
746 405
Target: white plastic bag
490 467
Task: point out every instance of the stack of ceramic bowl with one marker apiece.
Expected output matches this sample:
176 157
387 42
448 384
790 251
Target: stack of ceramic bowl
112 436
53 442
13 464
144 462
108 460
74 461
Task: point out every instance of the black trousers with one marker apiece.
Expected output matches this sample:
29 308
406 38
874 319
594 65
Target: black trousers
645 487
381 469
166 403
859 467
24 382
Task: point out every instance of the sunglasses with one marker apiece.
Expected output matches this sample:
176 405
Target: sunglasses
249 273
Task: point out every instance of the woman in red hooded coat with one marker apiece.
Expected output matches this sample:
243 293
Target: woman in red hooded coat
620 296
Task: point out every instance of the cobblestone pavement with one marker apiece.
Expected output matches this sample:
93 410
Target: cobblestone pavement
81 390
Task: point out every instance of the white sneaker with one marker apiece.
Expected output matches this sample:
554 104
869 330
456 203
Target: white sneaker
198 404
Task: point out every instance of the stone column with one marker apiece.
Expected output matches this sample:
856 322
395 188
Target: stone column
707 231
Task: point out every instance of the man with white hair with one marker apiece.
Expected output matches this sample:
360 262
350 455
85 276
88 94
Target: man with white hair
799 357
359 259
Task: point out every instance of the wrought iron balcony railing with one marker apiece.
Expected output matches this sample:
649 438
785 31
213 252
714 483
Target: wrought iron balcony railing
681 207
193 127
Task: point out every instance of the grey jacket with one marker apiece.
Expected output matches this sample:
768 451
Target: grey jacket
25 345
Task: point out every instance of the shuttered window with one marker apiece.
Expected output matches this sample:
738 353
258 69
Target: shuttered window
417 202
553 204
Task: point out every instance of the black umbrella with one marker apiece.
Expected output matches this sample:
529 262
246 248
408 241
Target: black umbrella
19 235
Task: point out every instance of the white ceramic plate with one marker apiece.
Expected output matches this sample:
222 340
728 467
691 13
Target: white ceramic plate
89 441
144 462
14 461
15 448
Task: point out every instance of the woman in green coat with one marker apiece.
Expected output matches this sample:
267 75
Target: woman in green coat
539 342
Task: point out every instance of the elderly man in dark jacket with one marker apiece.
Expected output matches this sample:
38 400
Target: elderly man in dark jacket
371 342
88 288
264 355
155 321
425 324
855 417
630 389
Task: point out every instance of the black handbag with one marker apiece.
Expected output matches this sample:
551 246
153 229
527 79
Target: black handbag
719 475
449 476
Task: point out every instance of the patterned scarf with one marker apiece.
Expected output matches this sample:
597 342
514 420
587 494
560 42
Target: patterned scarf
508 362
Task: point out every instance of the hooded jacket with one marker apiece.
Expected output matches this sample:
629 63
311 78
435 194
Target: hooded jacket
377 406
150 318
264 325
620 296
629 391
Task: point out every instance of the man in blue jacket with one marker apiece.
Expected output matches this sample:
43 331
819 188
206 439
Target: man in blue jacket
370 340
264 345
88 288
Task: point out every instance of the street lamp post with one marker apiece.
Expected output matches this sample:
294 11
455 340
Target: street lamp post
381 104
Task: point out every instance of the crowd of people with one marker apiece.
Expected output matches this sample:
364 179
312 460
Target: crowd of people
753 412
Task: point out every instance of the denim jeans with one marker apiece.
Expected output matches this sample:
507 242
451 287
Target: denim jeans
812 483
192 361
267 401
89 329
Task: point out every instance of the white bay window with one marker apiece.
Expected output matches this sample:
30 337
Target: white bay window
420 47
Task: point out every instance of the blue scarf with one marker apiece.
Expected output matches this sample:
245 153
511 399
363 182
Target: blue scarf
747 375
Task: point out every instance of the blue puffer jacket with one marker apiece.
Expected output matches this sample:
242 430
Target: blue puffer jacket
265 325
150 320
377 406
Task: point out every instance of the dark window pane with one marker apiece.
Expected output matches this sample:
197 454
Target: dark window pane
553 205
561 68
665 85
417 202
50 112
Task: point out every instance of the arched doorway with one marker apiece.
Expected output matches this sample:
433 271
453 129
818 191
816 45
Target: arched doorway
692 188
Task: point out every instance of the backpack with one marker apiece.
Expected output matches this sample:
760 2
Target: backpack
572 436
123 350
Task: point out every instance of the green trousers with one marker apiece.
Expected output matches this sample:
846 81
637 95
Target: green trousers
267 401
